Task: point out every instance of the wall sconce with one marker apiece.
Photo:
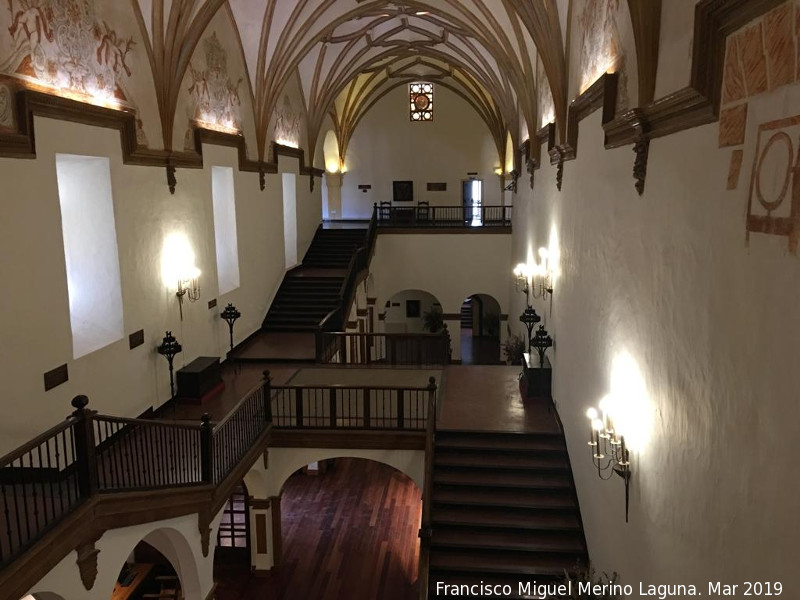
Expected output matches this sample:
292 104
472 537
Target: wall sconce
498 171
230 314
523 276
609 453
542 277
189 287
168 349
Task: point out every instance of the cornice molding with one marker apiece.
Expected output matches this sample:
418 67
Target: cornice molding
30 104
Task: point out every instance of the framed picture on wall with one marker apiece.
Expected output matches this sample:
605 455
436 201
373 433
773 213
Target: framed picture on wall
413 309
403 191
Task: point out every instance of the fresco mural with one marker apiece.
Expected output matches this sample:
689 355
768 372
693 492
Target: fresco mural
214 97
600 46
287 124
64 44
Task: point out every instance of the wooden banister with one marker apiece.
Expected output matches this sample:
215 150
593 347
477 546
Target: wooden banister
426 528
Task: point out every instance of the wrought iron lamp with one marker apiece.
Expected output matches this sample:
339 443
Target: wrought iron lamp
542 276
609 453
542 341
522 275
529 318
230 314
169 348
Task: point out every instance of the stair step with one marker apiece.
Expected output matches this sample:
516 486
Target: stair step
507 539
505 517
499 441
534 499
503 561
455 458
503 479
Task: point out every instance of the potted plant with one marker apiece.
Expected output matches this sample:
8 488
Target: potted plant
514 348
433 320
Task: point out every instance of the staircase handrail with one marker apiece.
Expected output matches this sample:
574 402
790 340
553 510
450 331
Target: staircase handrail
426 529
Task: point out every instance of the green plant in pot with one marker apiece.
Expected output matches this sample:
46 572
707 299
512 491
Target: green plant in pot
433 320
514 347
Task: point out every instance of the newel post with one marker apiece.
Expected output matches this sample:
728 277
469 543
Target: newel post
432 401
267 396
206 448
85 454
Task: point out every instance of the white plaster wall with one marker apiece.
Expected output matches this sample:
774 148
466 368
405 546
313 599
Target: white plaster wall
387 147
661 299
35 329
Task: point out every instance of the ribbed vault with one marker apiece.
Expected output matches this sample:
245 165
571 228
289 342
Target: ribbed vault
349 53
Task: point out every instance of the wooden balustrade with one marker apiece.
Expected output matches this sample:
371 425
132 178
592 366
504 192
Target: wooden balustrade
443 216
426 528
343 407
384 349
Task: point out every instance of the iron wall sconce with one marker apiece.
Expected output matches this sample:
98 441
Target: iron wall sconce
169 348
609 453
529 318
189 288
230 314
542 341
522 279
542 276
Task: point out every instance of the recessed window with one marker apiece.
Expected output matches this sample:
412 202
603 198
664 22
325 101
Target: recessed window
290 218
90 252
421 98
224 201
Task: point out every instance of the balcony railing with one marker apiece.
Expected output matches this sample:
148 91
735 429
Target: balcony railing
443 216
384 349
344 407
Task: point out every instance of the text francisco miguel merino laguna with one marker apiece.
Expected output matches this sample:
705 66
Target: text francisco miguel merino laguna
542 591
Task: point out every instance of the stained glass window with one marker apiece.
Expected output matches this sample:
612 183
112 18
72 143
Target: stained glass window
421 101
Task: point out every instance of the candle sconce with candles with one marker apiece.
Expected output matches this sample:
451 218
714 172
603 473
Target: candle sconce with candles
609 452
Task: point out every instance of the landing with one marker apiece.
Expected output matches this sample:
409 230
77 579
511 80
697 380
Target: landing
487 398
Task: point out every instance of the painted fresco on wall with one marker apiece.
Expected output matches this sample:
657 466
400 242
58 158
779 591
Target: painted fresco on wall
64 44
215 101
287 124
759 58
773 206
601 48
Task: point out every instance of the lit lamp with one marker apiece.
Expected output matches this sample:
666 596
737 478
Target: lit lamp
189 287
541 341
169 348
522 274
230 314
609 453
178 266
529 318
542 276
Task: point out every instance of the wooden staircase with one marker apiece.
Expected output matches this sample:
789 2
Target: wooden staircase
504 510
310 292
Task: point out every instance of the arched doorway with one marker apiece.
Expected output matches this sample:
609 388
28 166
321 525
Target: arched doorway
233 537
413 311
148 572
480 330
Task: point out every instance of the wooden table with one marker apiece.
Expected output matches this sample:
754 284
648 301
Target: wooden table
142 570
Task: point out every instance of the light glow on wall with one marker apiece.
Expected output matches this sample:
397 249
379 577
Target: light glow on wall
330 150
90 252
629 402
177 260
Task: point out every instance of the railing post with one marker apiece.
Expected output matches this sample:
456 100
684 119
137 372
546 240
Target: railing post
85 453
366 407
432 400
298 399
206 449
401 409
332 407
267 397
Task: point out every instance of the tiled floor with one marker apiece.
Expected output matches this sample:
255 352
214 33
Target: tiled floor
487 398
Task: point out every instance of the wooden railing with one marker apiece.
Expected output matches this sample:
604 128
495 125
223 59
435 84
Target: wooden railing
443 216
384 349
426 528
41 483
343 407
48 478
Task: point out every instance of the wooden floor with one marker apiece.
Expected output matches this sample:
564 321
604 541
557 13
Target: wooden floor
349 534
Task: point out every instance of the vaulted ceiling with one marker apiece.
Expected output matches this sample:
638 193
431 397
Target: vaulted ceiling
349 53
